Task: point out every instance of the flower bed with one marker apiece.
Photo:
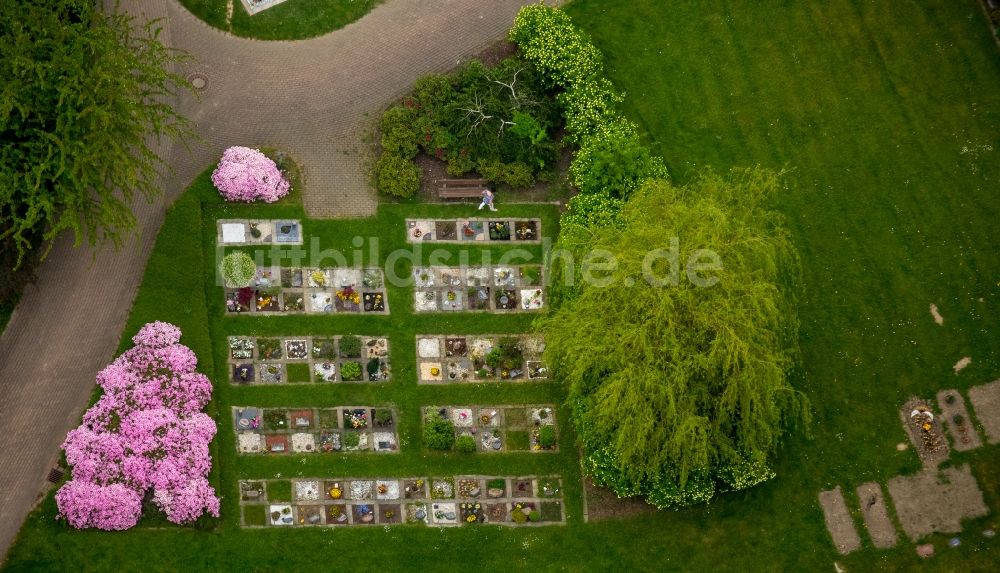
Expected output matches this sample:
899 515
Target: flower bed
146 433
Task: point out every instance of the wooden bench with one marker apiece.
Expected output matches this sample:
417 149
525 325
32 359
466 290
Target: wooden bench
460 188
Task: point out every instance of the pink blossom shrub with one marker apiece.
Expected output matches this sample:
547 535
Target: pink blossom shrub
146 431
112 507
157 334
247 175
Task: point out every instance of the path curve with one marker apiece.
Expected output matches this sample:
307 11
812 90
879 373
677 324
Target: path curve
314 98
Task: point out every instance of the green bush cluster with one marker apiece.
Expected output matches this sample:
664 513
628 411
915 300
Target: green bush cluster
611 159
498 121
439 433
238 269
465 444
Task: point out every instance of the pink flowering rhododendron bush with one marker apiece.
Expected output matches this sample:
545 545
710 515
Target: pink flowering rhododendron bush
248 175
145 435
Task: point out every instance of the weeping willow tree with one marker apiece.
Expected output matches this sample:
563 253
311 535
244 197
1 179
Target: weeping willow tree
678 369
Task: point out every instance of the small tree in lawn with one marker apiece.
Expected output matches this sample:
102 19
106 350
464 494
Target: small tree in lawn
248 175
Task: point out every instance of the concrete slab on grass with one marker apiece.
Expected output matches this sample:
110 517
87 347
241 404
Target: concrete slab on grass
873 509
838 521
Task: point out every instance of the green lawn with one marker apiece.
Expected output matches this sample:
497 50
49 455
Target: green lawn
290 20
887 115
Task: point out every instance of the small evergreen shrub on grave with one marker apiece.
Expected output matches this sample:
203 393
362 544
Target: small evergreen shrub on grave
238 269
279 491
350 346
350 371
439 433
397 176
248 175
547 437
352 439
465 444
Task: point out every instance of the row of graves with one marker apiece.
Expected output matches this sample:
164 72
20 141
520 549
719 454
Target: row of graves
438 501
304 359
504 288
473 230
296 290
315 430
444 359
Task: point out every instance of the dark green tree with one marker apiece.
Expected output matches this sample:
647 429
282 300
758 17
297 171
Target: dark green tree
679 385
84 95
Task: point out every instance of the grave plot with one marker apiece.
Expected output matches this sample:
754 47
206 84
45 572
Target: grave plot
242 232
483 230
286 290
315 430
438 501
445 359
495 428
956 419
305 359
511 288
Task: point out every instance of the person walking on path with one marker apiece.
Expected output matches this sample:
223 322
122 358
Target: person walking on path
487 200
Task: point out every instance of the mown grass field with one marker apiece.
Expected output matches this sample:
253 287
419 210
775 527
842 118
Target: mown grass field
887 115
294 20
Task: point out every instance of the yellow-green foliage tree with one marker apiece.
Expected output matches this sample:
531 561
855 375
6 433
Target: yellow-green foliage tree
678 377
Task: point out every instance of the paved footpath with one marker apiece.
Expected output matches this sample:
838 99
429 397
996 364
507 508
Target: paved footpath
315 99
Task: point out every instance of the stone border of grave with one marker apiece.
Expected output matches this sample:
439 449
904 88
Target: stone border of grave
436 501
492 426
460 358
246 366
315 430
495 289
239 232
302 290
484 230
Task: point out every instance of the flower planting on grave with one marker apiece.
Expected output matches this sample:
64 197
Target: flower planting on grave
145 435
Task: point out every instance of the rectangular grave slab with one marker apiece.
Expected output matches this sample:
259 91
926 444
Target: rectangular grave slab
838 521
956 420
936 501
880 527
985 400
